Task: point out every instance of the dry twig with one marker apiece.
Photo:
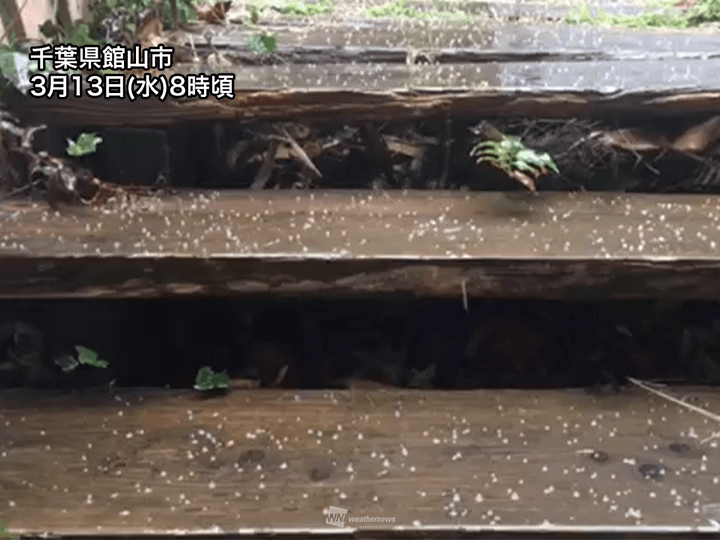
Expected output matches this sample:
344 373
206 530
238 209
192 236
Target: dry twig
675 400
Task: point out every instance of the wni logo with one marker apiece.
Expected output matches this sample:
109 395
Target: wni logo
336 516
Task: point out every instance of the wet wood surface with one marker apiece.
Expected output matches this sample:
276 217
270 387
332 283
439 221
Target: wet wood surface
310 103
551 245
367 69
163 461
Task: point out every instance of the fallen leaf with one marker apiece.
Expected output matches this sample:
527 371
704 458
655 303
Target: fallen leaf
150 33
301 155
399 147
524 179
149 24
635 140
214 14
217 59
699 138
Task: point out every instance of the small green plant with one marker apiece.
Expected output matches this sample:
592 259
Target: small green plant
511 156
262 42
85 357
207 380
86 144
17 68
77 33
5 534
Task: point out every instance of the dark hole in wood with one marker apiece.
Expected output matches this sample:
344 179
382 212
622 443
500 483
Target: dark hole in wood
252 456
651 471
320 473
680 448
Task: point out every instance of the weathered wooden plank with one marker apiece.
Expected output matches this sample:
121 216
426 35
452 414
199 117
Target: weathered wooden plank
328 54
553 245
417 74
160 461
490 36
484 69
329 104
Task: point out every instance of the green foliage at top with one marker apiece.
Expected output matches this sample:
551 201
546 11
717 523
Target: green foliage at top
16 69
510 154
86 144
78 33
664 15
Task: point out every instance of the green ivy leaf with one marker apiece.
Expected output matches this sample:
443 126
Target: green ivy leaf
487 145
85 144
221 380
262 43
90 358
50 30
66 362
79 34
7 65
204 378
254 15
549 163
86 354
525 167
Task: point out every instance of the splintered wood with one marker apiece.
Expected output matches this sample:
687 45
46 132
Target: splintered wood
161 461
375 104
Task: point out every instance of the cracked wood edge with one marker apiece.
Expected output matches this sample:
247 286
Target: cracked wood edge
358 106
112 277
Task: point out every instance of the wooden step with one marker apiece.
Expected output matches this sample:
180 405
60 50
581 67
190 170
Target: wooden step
166 462
292 96
550 245
370 70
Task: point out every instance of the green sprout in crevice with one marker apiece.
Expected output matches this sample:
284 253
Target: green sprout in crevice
207 380
511 156
5 534
85 357
85 144
260 42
